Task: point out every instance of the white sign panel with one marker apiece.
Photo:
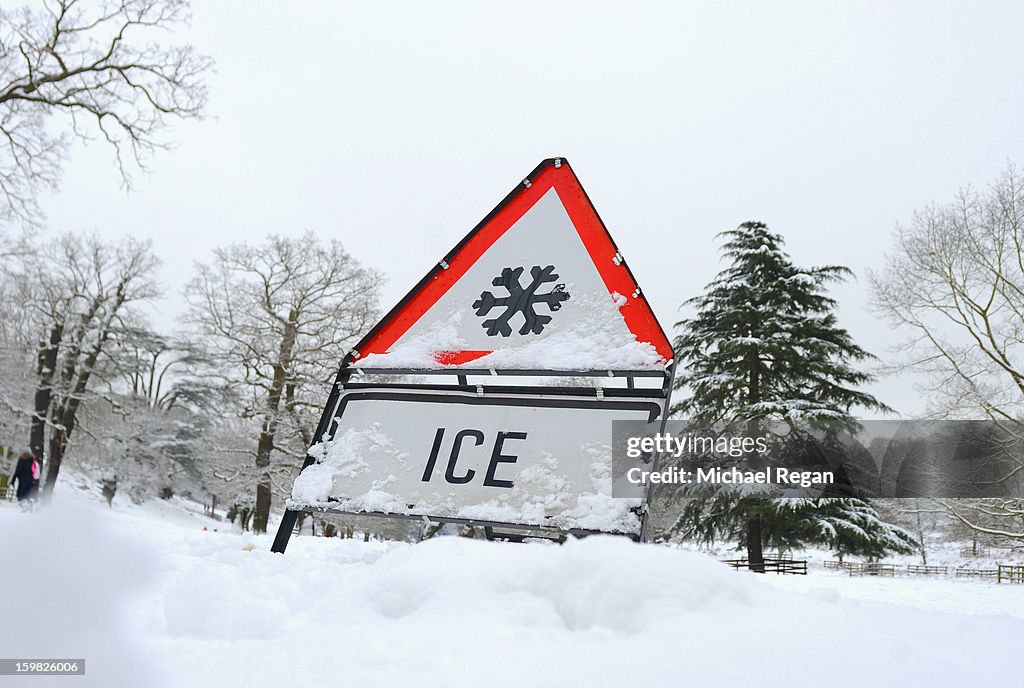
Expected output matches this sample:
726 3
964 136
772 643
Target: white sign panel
540 460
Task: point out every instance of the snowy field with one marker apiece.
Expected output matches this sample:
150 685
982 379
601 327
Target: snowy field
149 598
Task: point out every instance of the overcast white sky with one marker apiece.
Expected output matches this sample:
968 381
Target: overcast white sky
396 127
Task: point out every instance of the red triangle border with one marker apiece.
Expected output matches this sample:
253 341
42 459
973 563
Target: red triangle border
551 173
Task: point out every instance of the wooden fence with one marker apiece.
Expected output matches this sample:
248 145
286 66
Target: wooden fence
1003 573
964 572
858 568
974 552
871 569
773 565
1010 573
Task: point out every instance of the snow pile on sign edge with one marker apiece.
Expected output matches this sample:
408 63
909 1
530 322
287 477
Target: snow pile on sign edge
605 345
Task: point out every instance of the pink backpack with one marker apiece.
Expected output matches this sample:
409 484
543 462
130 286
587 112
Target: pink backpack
35 469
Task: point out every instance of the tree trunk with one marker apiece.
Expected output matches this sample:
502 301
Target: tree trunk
755 549
920 540
755 540
67 409
58 443
65 415
261 514
46 362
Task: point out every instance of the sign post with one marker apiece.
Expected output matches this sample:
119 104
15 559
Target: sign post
486 396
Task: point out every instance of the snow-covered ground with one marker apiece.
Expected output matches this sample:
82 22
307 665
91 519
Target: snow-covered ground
150 598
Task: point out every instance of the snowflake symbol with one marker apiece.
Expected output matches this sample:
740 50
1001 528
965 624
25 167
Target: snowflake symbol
521 300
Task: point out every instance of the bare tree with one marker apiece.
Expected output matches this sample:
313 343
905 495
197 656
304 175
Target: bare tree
1000 519
152 368
278 318
78 290
956 282
17 344
96 67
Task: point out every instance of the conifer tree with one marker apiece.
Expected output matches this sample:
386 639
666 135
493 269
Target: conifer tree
764 346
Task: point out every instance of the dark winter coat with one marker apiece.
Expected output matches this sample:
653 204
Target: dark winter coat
23 476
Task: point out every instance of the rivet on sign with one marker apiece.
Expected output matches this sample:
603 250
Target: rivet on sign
636 293
479 390
443 264
493 371
600 393
526 183
355 354
558 163
617 259
611 373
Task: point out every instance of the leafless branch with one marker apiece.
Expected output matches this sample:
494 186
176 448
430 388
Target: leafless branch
88 70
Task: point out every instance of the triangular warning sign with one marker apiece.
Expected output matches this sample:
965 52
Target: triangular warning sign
539 284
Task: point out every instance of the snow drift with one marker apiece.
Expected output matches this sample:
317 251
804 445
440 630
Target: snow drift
68 582
452 612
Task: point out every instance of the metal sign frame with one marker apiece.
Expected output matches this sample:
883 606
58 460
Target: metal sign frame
552 173
660 396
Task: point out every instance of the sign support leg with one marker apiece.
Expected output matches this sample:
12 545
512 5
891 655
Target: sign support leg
284 531
646 506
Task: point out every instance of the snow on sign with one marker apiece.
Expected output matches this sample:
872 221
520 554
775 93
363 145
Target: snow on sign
539 460
538 284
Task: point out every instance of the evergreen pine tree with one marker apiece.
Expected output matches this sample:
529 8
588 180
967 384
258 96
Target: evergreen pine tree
764 345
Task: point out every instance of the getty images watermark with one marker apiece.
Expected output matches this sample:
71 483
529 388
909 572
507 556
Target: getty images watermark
723 446
901 459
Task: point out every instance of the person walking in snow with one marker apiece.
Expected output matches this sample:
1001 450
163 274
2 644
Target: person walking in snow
26 474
